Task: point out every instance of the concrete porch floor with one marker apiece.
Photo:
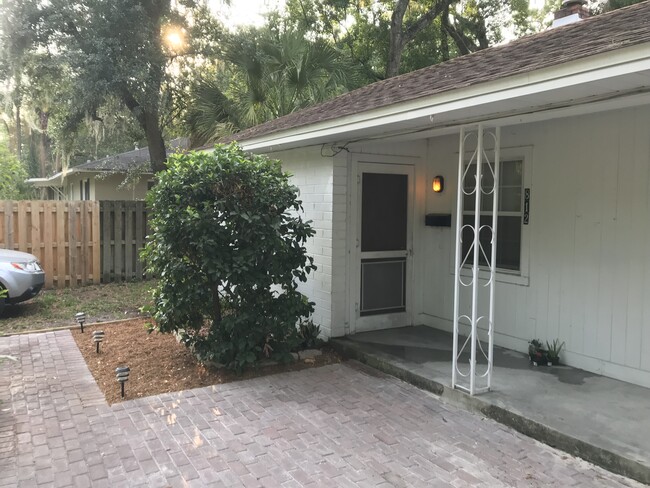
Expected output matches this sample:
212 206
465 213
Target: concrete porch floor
600 419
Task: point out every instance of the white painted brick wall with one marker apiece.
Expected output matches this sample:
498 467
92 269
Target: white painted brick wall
322 190
337 235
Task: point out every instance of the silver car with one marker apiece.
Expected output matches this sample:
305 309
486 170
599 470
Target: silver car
20 275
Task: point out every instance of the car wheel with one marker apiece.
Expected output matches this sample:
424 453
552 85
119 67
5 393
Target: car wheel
2 299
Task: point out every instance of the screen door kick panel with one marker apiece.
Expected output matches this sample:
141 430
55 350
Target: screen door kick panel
384 242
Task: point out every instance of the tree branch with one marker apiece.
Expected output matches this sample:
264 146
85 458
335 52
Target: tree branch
424 20
132 104
464 43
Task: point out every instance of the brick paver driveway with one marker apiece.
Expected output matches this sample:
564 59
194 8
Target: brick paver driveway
341 425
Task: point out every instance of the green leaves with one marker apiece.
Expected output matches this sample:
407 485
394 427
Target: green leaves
229 250
270 73
12 176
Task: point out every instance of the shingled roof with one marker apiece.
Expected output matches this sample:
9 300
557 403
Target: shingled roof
595 35
129 160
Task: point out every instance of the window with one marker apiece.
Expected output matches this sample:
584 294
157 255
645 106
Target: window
509 219
84 189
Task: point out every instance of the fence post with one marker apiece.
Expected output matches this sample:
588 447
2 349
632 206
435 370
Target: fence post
129 241
73 262
48 243
140 235
95 242
9 224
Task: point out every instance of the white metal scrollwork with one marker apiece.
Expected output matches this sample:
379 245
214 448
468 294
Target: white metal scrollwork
483 161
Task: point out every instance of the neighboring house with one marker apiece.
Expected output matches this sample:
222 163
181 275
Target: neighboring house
572 105
125 176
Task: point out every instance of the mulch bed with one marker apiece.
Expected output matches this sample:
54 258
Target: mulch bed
159 364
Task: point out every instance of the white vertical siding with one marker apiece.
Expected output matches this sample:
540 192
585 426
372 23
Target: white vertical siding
109 187
589 242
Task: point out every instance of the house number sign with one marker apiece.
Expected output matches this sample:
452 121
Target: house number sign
526 205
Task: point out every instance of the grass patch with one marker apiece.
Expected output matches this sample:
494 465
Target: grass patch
56 308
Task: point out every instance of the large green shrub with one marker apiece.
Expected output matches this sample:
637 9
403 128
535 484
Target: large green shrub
227 243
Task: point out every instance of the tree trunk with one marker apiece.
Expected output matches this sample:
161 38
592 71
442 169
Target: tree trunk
43 143
396 43
157 150
400 37
444 39
155 9
19 133
149 122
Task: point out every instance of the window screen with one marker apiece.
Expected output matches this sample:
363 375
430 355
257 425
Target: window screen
383 285
383 212
509 215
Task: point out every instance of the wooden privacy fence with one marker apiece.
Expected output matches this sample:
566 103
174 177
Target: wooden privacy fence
63 235
78 242
123 235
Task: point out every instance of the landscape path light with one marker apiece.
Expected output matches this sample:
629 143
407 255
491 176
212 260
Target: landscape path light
122 375
98 336
81 319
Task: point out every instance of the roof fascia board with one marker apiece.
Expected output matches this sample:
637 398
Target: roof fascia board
57 178
593 68
38 182
501 120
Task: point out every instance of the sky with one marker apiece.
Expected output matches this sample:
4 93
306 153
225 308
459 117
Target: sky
244 12
251 12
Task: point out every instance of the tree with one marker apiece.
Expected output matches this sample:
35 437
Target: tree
227 245
389 37
12 175
106 50
44 86
267 74
609 5
114 49
18 39
401 35
140 55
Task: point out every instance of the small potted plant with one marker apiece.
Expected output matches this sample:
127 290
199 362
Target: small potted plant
553 350
537 353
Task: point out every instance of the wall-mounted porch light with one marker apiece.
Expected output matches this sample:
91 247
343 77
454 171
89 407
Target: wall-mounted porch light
438 184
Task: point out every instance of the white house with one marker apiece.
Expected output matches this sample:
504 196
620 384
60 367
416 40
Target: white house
567 114
124 176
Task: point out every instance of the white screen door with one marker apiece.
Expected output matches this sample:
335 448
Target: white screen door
383 244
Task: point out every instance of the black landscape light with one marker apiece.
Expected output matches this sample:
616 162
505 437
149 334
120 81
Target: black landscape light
81 319
122 375
98 336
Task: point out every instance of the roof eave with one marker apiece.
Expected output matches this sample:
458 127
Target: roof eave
54 180
598 67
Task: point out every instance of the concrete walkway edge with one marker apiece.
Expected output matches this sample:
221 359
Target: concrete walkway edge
609 460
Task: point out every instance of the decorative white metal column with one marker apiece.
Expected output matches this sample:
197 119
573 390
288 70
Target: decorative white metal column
475 271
